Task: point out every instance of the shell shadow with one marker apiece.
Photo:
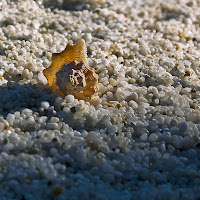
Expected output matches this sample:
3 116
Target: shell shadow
15 97
68 5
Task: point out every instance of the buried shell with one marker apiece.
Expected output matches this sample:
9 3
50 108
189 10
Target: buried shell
69 72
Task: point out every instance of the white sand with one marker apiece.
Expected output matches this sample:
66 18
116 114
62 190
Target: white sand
138 138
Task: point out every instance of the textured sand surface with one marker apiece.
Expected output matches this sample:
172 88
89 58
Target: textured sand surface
138 138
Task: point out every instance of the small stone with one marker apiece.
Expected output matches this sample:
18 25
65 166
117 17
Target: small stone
21 63
10 118
54 119
1 126
45 104
144 136
133 104
96 100
120 59
112 129
27 112
88 37
42 78
69 98
153 137
52 125
31 120
182 126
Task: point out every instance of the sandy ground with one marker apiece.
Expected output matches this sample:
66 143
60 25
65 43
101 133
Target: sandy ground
138 138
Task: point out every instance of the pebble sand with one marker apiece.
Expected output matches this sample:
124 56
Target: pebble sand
138 138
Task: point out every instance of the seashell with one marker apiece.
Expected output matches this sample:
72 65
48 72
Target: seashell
69 72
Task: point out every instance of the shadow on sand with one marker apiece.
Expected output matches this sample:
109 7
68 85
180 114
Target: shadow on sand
16 97
68 5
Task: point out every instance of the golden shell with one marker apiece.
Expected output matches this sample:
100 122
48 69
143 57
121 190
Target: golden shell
69 72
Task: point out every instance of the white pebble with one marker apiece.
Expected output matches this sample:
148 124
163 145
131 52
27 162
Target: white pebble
54 119
133 104
52 125
21 62
27 112
88 37
10 118
42 119
14 138
42 78
45 104
31 120
1 126
69 98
